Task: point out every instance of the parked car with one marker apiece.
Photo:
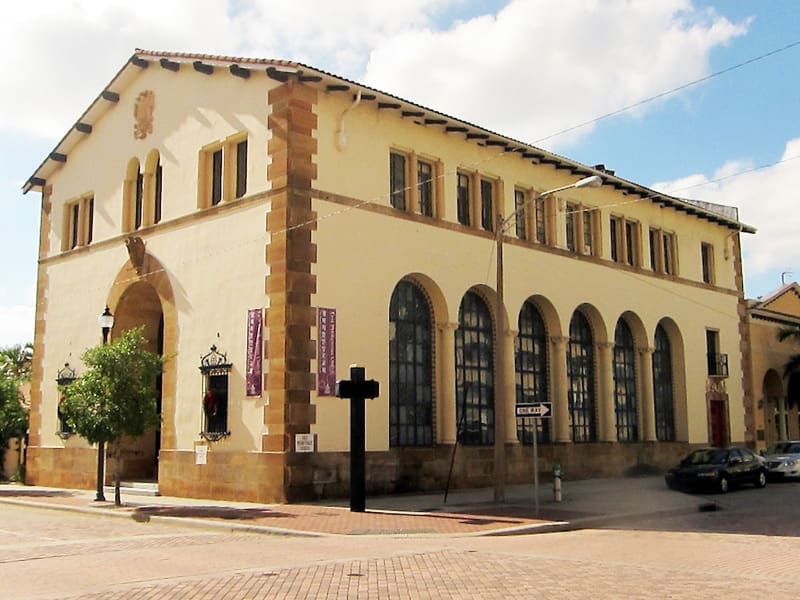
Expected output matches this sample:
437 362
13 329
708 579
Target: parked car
718 469
783 460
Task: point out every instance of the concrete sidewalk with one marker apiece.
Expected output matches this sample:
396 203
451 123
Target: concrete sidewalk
586 503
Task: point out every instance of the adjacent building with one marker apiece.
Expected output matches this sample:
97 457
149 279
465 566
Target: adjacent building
776 394
270 224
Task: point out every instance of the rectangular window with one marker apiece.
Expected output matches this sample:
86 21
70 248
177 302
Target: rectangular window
425 188
463 198
588 232
541 221
572 225
241 168
631 244
616 226
223 171
78 223
487 205
717 362
74 226
654 249
669 253
89 219
216 177
707 257
521 214
397 177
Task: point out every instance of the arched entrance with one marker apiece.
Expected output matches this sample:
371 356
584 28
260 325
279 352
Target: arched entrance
140 306
775 424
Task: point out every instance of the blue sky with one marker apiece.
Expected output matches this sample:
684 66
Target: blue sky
524 68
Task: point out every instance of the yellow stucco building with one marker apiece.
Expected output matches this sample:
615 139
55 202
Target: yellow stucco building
776 397
271 224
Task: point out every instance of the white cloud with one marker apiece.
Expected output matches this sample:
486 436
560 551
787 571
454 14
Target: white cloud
766 199
528 71
533 70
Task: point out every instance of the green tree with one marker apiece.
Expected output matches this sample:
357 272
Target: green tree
16 361
13 414
116 395
790 332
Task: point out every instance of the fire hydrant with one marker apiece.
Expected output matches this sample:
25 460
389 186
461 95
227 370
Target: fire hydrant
557 475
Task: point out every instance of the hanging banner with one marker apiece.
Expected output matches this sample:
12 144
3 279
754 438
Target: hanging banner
326 351
254 352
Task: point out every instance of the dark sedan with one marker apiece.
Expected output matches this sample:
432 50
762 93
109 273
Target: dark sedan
718 469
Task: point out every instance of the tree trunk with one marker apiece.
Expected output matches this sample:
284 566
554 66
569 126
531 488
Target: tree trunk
117 457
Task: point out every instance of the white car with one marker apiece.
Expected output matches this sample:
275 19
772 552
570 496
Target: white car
783 460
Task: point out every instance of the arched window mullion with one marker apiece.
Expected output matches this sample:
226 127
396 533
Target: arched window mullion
625 401
410 368
662 387
531 370
581 398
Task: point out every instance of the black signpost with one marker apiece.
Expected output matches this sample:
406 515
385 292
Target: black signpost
536 411
357 389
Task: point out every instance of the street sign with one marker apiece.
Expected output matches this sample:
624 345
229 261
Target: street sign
541 410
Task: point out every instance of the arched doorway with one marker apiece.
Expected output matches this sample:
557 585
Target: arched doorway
140 306
773 407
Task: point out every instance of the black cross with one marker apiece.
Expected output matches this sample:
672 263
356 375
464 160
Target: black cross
357 389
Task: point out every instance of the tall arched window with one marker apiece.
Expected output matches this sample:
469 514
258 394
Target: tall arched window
410 367
153 187
474 372
625 384
530 360
132 198
662 387
580 372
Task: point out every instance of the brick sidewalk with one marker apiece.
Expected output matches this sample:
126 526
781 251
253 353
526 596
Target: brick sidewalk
300 519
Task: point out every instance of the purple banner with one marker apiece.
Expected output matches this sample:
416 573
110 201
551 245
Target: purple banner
326 351
254 346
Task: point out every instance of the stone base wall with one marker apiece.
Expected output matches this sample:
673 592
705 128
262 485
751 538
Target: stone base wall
243 476
73 468
426 469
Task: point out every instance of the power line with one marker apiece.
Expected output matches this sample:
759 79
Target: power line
670 92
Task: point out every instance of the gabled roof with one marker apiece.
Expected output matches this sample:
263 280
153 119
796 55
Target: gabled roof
282 70
782 305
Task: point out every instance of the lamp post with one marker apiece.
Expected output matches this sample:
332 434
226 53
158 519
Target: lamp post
106 322
500 350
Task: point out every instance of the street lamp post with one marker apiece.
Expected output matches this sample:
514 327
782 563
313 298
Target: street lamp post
106 322
500 350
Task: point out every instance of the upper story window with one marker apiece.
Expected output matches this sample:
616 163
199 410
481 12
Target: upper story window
572 226
625 241
589 246
222 173
397 180
540 220
425 188
717 362
487 204
521 214
707 257
463 198
413 183
663 252
78 222
142 191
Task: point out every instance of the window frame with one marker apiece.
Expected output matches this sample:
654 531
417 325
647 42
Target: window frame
78 222
223 170
581 373
530 370
625 391
707 263
663 386
464 198
398 178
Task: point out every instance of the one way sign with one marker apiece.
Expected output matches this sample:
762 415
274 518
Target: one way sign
534 409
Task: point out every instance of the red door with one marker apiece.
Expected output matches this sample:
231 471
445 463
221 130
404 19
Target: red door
719 423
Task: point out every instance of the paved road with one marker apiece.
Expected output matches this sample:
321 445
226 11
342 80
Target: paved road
52 554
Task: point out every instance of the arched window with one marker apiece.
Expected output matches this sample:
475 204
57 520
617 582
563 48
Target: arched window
530 361
410 367
153 188
662 387
580 373
625 384
133 197
474 372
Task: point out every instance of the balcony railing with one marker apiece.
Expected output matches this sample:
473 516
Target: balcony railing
717 365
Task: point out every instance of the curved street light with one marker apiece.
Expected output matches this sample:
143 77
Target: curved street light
500 352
